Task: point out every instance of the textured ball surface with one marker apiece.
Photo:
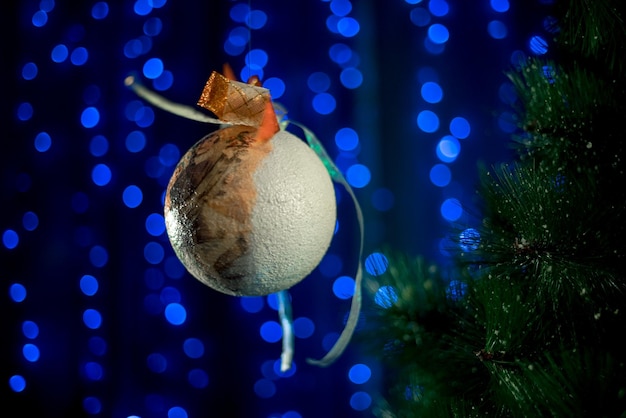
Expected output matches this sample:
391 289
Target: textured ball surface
250 217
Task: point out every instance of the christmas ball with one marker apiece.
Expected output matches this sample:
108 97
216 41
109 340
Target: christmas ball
250 217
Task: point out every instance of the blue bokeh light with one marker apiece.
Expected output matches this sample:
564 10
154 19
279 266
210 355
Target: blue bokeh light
358 175
376 264
29 71
101 174
198 378
93 370
175 313
170 294
448 149
271 331
359 374
256 19
156 362
348 27
30 329
341 7
98 146
10 239
193 348
152 26
451 209
17 383
43 142
153 68
469 239
25 111
39 19
276 86
99 256
79 56
88 285
438 33
343 287
428 121
500 6
386 296
324 103
303 327
497 29
59 53
169 154
153 252
460 127
164 81
92 318
440 175
420 17
155 224
92 405
431 92
17 292
90 117
538 45
340 53
252 304
97 346
360 401
100 10
318 82
264 388
351 78
347 139
438 8
132 196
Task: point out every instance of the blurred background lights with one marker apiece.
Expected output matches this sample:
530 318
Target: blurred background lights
43 142
25 111
358 175
420 17
92 318
30 221
538 45
318 82
438 8
376 264
29 71
256 57
175 314
92 405
343 287
340 53
341 7
351 78
135 141
431 92
359 374
30 329
303 327
17 292
164 81
360 401
386 296
252 304
451 209
90 117
101 174
500 6
156 362
239 12
440 175
98 146
153 68
153 252
348 27
10 239
256 19
152 26
324 103
448 149
438 33
497 29
264 388
17 383
198 378
93 370
428 121
132 196
98 255
193 348
40 18
100 10
271 331
346 139
59 53
155 224
88 285
469 240
79 56
276 86
460 127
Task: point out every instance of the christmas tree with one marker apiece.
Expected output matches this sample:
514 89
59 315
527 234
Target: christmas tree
530 321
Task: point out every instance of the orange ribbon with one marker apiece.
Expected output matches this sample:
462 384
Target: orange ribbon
240 103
